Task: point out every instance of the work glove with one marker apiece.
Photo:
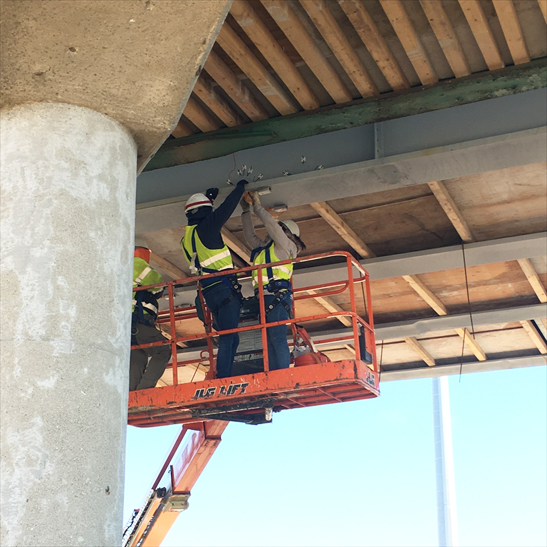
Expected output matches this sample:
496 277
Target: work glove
256 198
211 193
245 207
242 182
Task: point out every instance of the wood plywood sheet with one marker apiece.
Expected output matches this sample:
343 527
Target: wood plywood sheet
504 341
449 346
405 226
400 226
393 299
503 203
502 283
377 199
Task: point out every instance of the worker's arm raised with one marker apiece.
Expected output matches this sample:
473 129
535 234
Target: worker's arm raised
224 211
248 229
284 247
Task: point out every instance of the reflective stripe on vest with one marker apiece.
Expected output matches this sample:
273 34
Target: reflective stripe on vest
143 274
283 272
201 258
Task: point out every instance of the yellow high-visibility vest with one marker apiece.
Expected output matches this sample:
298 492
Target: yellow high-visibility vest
143 274
277 273
203 260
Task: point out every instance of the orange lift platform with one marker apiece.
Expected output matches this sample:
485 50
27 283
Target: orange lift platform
204 408
253 398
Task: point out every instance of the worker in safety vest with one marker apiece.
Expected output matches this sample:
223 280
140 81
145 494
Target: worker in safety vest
206 253
282 243
147 365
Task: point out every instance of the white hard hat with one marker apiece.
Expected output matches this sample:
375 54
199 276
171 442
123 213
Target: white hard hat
141 242
197 200
291 226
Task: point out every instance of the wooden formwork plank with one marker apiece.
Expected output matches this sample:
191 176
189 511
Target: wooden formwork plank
421 351
452 211
295 31
442 27
334 36
234 88
482 32
199 117
262 38
472 344
535 336
512 30
205 91
375 43
402 25
232 44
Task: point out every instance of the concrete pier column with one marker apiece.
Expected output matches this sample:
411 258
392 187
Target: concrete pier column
67 202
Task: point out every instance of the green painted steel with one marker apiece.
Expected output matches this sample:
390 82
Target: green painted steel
455 92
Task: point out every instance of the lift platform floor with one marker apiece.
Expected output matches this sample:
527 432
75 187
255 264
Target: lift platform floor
252 398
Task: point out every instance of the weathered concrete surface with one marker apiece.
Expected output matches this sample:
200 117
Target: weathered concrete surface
67 217
133 60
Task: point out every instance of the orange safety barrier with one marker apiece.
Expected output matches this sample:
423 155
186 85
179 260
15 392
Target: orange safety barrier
252 398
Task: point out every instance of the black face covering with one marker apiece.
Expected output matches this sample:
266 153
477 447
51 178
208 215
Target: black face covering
197 215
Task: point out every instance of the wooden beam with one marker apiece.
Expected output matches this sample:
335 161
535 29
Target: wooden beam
535 336
482 32
415 282
347 234
402 25
200 117
455 92
336 39
512 31
442 27
295 31
230 83
472 344
452 211
169 268
236 245
262 38
543 6
375 43
204 90
182 130
420 350
334 220
232 44
533 279
332 307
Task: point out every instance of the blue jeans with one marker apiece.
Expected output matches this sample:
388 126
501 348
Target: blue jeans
226 317
279 355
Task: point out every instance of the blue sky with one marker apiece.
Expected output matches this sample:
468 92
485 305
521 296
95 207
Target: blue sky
363 473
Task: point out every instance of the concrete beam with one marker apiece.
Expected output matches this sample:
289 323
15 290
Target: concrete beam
448 370
476 87
419 262
419 327
389 140
355 179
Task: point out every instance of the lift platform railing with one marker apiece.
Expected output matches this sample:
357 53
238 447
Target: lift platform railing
175 315
244 396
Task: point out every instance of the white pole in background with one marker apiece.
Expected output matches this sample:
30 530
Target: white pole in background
444 465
